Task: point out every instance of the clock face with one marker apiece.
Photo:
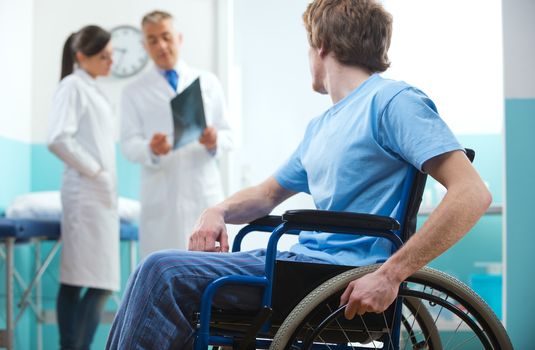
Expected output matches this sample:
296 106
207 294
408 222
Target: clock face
129 55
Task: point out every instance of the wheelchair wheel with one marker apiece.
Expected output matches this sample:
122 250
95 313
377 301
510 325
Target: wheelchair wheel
417 326
439 312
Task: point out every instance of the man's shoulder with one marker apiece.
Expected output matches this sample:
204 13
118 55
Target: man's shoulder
208 78
388 88
404 94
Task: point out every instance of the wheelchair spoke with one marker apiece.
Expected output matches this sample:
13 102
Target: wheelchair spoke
411 336
417 333
341 328
417 311
461 346
451 335
367 331
415 317
409 327
324 342
439 311
438 314
310 328
412 321
388 328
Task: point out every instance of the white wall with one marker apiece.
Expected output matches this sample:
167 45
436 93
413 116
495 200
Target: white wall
272 73
15 69
270 93
519 48
452 50
56 19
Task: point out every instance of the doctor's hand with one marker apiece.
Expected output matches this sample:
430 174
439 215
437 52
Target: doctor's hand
210 228
209 138
159 145
373 292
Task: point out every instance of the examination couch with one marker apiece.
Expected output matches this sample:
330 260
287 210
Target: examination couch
14 232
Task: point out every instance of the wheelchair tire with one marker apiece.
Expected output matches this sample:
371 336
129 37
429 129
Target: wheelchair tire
444 298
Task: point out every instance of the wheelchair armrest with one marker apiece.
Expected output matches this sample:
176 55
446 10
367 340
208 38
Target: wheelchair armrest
264 224
350 220
269 221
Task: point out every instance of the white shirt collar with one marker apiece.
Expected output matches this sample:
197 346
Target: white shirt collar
85 76
179 66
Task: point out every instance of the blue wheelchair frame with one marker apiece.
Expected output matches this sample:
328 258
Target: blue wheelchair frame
393 234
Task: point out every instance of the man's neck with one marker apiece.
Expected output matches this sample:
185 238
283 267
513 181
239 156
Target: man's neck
166 68
341 80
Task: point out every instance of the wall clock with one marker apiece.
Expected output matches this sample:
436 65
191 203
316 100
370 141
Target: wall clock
129 55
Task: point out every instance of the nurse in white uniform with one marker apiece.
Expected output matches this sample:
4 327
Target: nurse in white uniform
81 135
176 185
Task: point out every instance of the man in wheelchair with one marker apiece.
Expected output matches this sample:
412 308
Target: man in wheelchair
354 157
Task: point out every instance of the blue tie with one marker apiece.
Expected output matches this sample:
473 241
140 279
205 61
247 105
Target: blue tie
172 78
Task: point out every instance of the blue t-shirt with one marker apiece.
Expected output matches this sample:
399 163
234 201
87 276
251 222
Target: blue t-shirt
354 157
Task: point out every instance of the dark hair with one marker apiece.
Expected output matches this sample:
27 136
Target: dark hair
357 32
89 40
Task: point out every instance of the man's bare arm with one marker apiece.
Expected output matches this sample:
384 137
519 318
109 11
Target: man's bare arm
242 207
466 200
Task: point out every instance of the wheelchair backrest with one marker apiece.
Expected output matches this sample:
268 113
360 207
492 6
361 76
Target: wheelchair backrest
414 187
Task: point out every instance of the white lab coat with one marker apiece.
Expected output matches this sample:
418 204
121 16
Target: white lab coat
81 135
176 187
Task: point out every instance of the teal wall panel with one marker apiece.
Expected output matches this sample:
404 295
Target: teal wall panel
128 174
482 244
47 170
520 185
488 161
15 167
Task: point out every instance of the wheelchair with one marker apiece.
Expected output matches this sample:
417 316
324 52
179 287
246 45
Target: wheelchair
300 301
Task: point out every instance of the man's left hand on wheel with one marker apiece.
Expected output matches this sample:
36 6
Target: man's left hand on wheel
371 293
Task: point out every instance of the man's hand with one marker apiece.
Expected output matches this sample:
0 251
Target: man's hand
209 138
159 145
210 228
372 293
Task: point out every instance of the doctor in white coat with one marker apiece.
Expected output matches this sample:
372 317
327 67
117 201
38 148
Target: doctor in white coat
81 135
176 185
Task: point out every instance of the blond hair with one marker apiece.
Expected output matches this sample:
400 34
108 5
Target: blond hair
357 32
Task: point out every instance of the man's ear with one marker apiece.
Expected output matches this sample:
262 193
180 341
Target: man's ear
180 39
322 52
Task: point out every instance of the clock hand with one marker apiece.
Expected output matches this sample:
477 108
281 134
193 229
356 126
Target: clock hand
121 57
